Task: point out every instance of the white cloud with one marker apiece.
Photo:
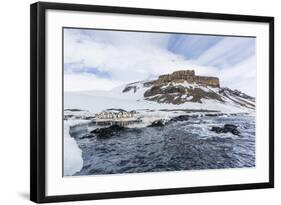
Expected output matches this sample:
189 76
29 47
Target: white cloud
242 76
85 81
228 52
137 56
135 60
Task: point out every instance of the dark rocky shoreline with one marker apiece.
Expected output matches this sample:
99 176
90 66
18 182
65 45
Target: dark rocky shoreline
103 133
109 131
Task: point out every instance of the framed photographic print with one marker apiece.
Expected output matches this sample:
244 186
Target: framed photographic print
129 102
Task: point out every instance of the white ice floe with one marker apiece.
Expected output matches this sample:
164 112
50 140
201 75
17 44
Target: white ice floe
72 156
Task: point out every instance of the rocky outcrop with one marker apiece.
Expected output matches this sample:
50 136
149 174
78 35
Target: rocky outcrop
129 88
188 76
107 131
178 94
226 128
180 118
238 97
184 86
134 86
157 123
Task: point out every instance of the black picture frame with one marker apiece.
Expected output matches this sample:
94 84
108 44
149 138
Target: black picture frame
38 101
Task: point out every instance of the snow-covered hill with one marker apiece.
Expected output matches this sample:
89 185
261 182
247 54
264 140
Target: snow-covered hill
180 93
146 95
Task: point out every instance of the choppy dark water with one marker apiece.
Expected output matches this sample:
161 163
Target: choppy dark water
187 145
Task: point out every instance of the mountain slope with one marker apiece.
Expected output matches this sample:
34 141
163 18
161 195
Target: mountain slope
180 93
179 90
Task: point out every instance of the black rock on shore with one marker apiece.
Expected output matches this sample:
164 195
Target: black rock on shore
107 131
226 128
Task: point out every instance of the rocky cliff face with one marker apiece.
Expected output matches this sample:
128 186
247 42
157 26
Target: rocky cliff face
178 93
187 76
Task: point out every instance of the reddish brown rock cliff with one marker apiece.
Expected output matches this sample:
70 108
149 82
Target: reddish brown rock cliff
188 76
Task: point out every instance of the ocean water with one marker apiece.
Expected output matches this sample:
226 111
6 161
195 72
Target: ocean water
181 145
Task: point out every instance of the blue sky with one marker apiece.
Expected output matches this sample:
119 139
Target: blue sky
102 59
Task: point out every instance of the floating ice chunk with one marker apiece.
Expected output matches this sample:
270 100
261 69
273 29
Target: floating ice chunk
73 161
